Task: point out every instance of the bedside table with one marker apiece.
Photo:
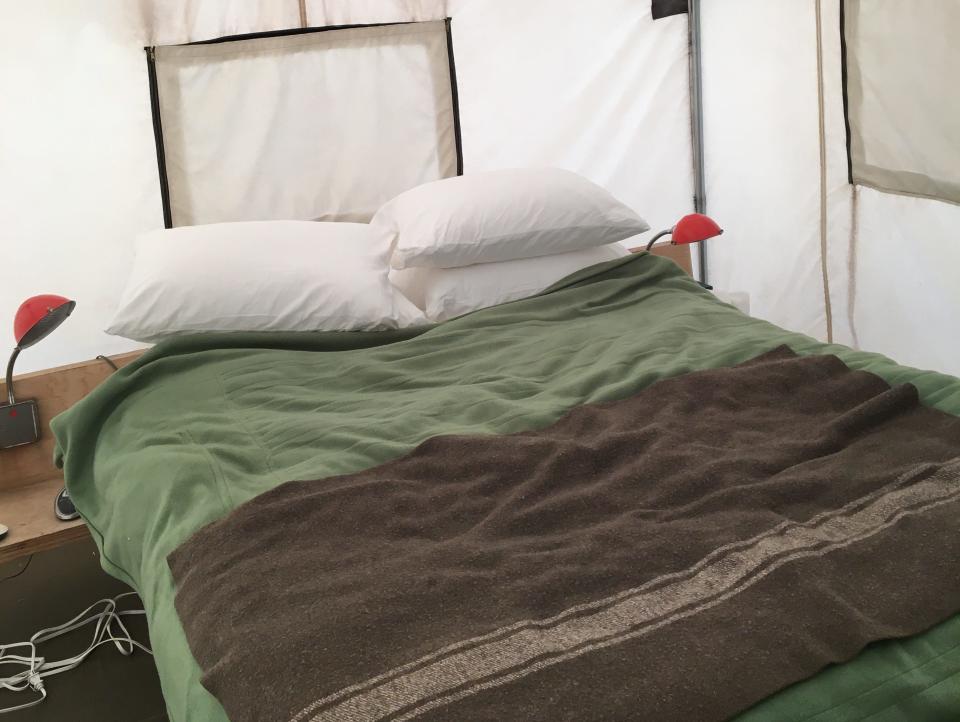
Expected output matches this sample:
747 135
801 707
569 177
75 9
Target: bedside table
28 511
678 254
29 482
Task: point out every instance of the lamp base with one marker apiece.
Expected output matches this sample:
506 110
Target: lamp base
19 424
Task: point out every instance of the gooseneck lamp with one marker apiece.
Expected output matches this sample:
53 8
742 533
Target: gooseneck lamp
692 228
36 319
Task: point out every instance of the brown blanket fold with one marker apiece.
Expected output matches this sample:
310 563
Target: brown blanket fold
680 554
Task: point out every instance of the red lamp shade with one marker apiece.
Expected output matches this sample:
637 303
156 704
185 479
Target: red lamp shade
38 316
694 228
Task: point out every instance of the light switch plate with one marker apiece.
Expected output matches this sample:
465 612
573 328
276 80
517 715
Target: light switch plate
19 424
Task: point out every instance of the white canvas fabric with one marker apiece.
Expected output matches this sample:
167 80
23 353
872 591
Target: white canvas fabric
762 150
314 126
905 292
904 65
445 293
503 215
261 276
172 22
320 13
598 88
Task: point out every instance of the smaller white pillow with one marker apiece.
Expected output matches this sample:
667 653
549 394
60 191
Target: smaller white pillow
503 215
445 293
261 276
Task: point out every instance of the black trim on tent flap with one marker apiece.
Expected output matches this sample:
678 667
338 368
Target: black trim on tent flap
158 137
155 95
843 81
666 8
454 99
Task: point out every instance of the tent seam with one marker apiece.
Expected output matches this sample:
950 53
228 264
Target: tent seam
852 264
824 271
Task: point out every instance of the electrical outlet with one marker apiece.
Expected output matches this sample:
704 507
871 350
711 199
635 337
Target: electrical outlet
19 424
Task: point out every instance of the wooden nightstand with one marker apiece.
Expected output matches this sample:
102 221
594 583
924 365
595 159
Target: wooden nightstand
29 482
678 254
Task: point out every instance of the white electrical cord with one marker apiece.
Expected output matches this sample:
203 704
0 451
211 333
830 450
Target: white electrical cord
109 627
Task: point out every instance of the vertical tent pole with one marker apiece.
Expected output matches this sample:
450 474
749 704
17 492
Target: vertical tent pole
696 125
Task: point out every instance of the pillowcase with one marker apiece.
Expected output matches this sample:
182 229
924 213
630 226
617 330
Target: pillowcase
503 215
261 276
448 292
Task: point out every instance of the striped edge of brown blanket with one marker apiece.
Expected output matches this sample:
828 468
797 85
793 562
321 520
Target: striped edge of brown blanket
679 554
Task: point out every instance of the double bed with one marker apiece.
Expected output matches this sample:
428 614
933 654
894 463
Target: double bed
202 425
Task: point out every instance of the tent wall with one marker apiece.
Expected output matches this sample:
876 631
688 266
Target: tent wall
907 294
249 131
761 147
888 261
603 92
541 82
902 66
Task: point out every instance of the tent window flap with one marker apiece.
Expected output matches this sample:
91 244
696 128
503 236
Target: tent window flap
902 108
666 8
315 124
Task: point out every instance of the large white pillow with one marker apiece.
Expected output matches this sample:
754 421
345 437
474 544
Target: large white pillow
261 276
503 215
445 293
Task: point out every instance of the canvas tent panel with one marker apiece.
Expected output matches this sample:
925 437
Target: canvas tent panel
603 92
337 12
183 21
318 125
839 193
906 296
762 149
904 111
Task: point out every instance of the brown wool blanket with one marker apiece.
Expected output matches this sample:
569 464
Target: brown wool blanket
676 555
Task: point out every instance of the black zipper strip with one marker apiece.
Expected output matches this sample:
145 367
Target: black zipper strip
666 8
843 81
454 99
158 136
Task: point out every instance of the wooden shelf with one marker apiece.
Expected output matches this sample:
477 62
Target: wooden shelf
29 482
678 254
55 390
28 512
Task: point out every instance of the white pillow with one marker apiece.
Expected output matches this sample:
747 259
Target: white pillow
503 215
261 276
445 293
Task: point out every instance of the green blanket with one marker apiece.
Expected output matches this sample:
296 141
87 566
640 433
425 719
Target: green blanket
202 424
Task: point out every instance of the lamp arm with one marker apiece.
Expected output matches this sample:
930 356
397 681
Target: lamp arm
10 363
657 237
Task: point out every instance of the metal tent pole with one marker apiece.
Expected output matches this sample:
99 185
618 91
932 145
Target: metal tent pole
696 125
